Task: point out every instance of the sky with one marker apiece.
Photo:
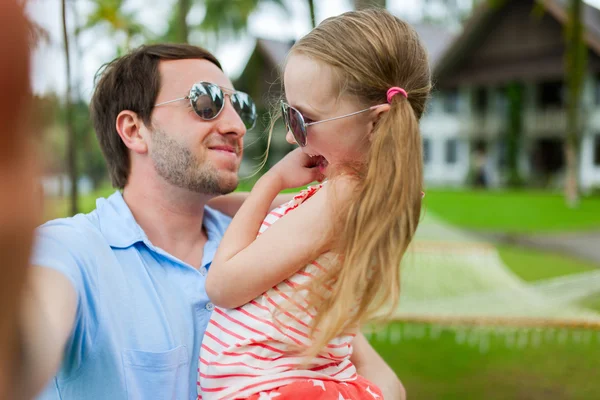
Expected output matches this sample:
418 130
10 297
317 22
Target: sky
268 21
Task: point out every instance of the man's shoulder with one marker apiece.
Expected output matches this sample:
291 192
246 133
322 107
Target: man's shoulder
79 227
77 239
217 219
70 246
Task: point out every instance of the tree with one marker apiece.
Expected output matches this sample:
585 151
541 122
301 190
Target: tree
311 7
222 17
183 9
90 161
71 140
575 67
112 15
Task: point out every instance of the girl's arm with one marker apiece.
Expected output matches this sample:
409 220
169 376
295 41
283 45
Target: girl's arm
230 204
246 266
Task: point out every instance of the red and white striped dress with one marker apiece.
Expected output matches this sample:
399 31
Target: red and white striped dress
250 349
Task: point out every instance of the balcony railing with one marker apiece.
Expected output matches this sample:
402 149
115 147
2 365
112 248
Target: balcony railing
535 122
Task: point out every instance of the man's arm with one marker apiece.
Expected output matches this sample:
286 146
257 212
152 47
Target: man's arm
49 307
229 204
371 366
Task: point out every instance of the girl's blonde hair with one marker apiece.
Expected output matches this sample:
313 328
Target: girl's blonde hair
371 51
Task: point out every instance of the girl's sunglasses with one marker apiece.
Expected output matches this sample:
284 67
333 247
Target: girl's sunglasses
208 100
294 121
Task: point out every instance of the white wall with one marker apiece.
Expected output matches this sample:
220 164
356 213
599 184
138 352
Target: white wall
589 174
438 128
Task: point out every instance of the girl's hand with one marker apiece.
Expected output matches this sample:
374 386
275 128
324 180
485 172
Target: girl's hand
296 169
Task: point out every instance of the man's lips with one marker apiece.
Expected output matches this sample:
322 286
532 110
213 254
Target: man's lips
225 148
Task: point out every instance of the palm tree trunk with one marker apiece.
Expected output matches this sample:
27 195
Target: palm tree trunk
360 4
311 7
575 67
71 145
184 31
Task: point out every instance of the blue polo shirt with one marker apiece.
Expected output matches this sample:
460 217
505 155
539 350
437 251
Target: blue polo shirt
141 312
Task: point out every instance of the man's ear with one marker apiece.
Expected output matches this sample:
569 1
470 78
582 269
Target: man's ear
377 113
129 126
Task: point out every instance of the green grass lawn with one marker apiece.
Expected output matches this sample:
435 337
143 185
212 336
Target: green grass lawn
532 265
512 211
440 368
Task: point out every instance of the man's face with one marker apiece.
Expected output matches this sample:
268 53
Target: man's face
187 151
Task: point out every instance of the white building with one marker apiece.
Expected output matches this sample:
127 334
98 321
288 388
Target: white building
518 44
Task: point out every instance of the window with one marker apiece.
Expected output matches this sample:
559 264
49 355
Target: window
597 150
426 151
551 95
451 101
501 99
480 100
451 151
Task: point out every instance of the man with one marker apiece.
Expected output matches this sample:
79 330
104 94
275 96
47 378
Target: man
120 307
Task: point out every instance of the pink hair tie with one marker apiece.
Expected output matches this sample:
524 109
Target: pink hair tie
394 91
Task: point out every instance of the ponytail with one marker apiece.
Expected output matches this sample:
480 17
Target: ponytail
380 222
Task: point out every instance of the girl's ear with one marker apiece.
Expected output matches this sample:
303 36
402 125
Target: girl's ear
375 115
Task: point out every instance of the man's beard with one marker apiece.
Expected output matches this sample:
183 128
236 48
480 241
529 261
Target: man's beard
176 164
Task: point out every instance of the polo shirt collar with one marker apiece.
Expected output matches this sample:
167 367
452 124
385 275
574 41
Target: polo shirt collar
117 223
121 230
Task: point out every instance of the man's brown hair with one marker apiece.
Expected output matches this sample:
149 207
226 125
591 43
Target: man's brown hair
132 82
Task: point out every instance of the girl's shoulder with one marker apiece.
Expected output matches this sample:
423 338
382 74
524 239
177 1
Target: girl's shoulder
335 193
300 198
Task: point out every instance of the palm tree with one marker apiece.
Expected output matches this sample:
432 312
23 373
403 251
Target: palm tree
111 14
222 17
71 145
575 67
311 7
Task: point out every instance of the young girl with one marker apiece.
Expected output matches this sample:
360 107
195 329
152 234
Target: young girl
293 285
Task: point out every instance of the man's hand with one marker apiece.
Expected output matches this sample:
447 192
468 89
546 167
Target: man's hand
19 205
48 315
372 367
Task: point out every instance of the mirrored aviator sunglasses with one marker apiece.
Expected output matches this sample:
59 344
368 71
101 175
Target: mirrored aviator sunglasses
208 100
294 123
